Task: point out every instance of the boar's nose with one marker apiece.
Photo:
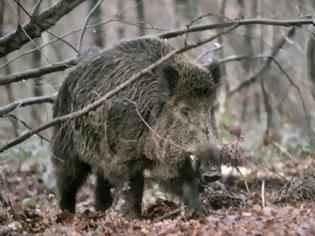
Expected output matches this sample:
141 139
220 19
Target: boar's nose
211 175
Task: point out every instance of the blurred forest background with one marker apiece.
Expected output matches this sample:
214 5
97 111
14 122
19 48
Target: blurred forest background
266 107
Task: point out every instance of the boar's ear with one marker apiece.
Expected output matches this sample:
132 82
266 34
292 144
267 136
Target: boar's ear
214 69
168 80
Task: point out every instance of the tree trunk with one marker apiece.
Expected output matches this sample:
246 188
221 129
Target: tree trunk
247 48
8 88
121 16
140 16
311 57
221 54
184 10
265 95
37 86
99 37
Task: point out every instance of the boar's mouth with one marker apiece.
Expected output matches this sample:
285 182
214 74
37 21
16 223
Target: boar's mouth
211 176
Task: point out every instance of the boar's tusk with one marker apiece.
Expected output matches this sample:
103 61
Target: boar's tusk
193 159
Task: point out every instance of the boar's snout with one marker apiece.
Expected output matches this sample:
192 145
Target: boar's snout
210 156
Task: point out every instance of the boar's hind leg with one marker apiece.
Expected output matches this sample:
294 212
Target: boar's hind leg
70 177
134 197
103 196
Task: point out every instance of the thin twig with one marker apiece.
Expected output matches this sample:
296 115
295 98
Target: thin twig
27 35
99 2
285 188
16 77
283 150
32 73
111 93
191 24
175 33
28 127
36 8
136 25
256 76
243 178
40 26
26 102
308 121
263 204
241 57
149 127
259 21
211 50
169 214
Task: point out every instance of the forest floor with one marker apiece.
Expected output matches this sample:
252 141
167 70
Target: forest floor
280 200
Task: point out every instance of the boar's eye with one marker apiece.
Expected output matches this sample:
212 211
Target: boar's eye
185 112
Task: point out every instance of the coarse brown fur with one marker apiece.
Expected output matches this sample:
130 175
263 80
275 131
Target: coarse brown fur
156 124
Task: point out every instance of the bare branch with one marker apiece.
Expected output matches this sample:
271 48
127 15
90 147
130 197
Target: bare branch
39 25
36 8
32 73
211 50
259 21
111 93
12 78
85 24
47 19
242 57
38 48
26 34
146 26
72 32
27 126
25 102
255 77
307 118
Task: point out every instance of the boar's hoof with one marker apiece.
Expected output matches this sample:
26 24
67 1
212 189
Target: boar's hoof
202 210
131 214
199 210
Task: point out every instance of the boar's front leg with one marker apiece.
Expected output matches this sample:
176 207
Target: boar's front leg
190 195
134 196
190 180
186 187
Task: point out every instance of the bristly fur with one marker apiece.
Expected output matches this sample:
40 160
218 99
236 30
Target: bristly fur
134 130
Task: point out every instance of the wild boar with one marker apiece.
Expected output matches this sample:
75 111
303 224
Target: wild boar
160 123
